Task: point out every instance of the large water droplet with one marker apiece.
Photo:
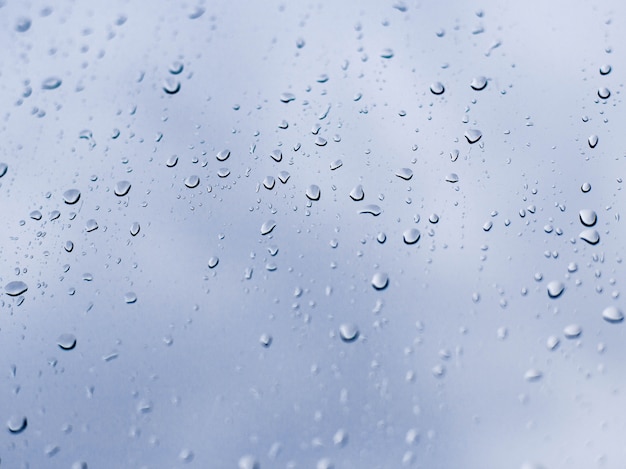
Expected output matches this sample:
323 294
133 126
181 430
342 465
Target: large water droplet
555 289
380 280
15 288
223 155
276 155
17 424
223 172
91 225
592 141
473 135
35 215
371 209
66 341
387 54
357 193
287 97
71 196
333 166
349 332
51 83
572 331
411 236
313 192
121 188
479 83
612 314
590 236
404 173
587 217
437 88
267 227
320 141
192 181
604 93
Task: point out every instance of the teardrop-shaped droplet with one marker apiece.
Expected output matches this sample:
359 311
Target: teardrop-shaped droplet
588 217
479 83
452 178
213 261
590 236
604 93
357 193
411 236
586 187
3 169
54 215
287 97
555 289
71 196
348 332
192 181
171 85
121 188
134 228
35 215
267 227
15 288
371 209
66 341
269 182
276 155
313 192
223 155
51 83
380 280
593 141
572 331
130 297
437 88
605 69
404 173
283 176
17 424
473 135
171 161
91 225
612 314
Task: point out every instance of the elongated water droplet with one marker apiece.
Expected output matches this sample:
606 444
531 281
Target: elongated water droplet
35 215
487 226
387 54
404 173
605 69
130 297
473 135
276 155
283 176
572 331
192 181
587 217
121 188
91 225
320 141
69 245
479 83
66 341
287 97
3 169
612 314
54 215
604 93
267 227
555 288
17 424
590 236
134 228
213 261
71 196
380 280
357 193
411 236
371 209
437 88
348 332
171 161
223 155
593 141
452 178
313 192
15 288
51 83
333 166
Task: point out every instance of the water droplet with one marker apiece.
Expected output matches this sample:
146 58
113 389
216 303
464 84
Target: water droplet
51 83
134 228
387 54
487 226
35 215
91 225
533 375
572 331
404 173
437 88
3 169
71 196
186 455
248 462
54 215
196 13
433 218
439 371
15 288
452 177
69 245
612 314
223 155
605 69
473 135
283 177
333 166
454 155
593 141
130 297
587 217
555 289
349 332
371 209
267 227
17 424
552 343
192 181
313 192
340 438
325 463
604 93
411 236
265 340
121 188
171 85
176 67
320 141
269 182
213 261
276 155
66 341
590 236
223 172
171 161
287 97
23 24
586 187
357 193
479 83
323 78
380 280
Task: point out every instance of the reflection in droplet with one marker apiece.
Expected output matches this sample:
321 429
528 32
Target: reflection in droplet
223 155
572 331
588 217
590 236
479 83
313 192
357 193
134 228
276 155
404 173
371 209
612 314
380 280
437 88
604 93
15 288
267 227
66 341
51 83
130 297
71 196
348 332
17 424
121 188
473 135
91 225
411 236
192 181
213 261
555 288
593 141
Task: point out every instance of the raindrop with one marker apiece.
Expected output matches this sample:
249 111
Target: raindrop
248 462
605 69
604 93
433 218
276 155
387 54
171 161
223 172
91 225
573 331
269 182
213 261
287 97
51 83
265 340
192 181
334 165
487 226
223 155
586 187
340 438
349 332
587 217
35 215
176 67
404 173
371 209
320 141
171 85
323 78
283 176
3 169
66 341
71 196
121 188
69 245
186 455
473 135
437 88
411 236
313 192
380 280
612 314
454 155
130 297
590 236
452 177
196 13
23 24
54 215
267 227
533 375
17 424
479 83
593 141
15 288
134 228
555 289
552 343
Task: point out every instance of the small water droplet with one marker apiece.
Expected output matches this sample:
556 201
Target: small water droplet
340 438
593 141
186 455
320 141
452 177
223 155
604 93
612 314
171 161
71 196
197 12
572 331
479 83
171 85
605 69
586 187
91 225
3 169
590 236
588 217
348 332
223 172
213 261
15 288
248 462
287 97
66 341
51 83
433 218
552 343
404 173
265 340
333 166
130 297
473 135
487 226
323 78
533 375
555 288
437 88
121 188
411 236
267 227
387 54
454 155
17 424
313 192
192 181
134 228
283 176
357 193
380 280
35 215
276 155
371 209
